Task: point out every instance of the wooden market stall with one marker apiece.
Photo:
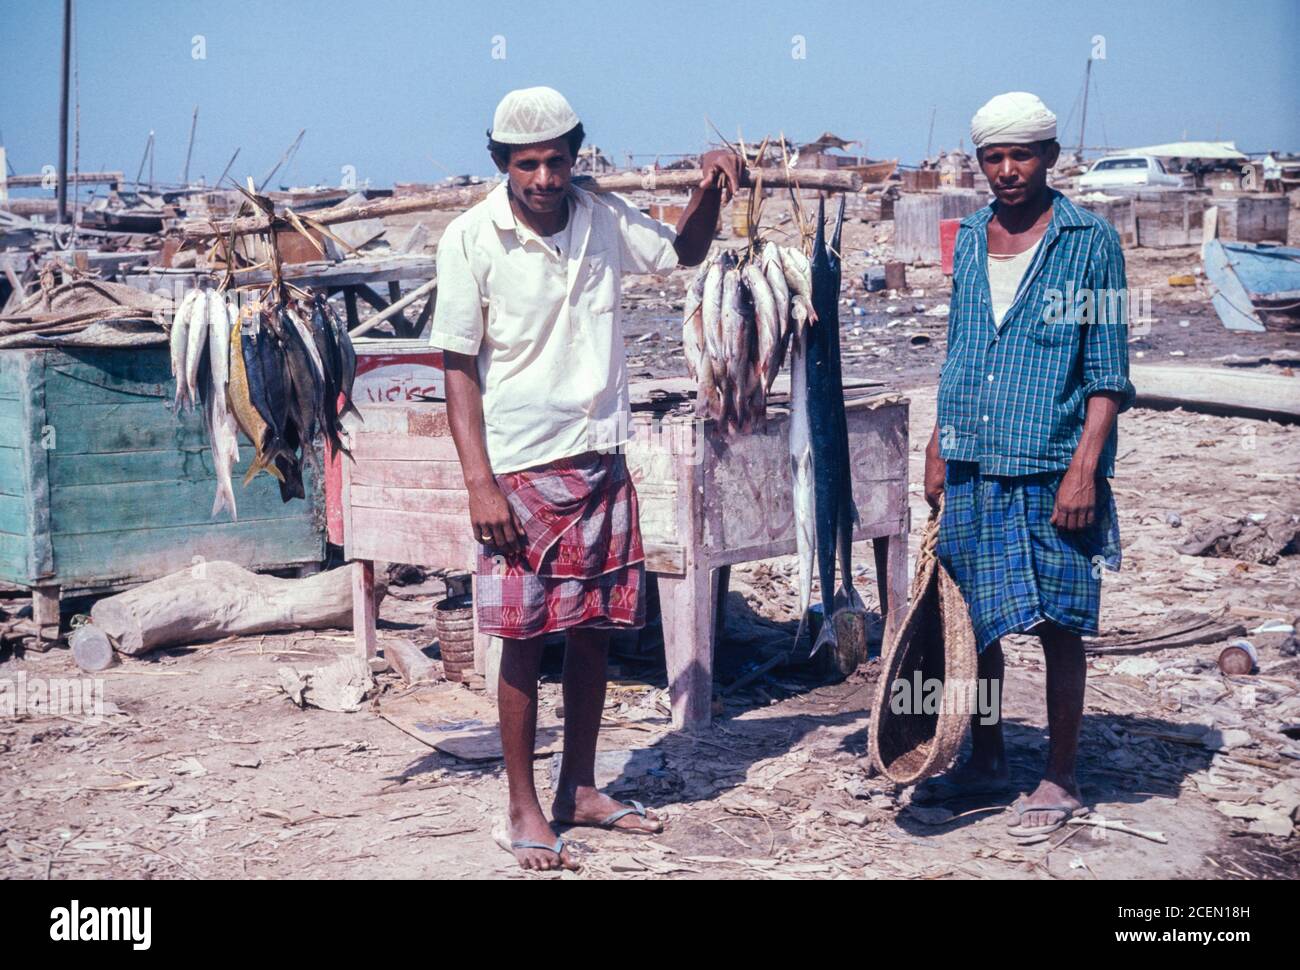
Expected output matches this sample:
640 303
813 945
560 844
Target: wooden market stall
103 485
707 502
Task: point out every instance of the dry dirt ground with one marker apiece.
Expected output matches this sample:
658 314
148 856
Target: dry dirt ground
201 766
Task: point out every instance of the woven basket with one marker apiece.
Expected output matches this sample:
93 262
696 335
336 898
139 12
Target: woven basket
454 621
937 641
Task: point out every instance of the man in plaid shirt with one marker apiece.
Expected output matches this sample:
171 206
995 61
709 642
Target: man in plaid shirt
1024 445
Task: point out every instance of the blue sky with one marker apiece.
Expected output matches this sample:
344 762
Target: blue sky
404 90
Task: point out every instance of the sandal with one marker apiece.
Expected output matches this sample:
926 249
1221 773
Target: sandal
611 821
1020 808
501 836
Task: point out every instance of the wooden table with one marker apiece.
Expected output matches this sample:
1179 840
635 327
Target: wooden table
707 502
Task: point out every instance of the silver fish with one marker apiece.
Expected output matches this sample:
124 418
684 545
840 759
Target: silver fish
798 276
714 345
772 269
737 349
801 471
768 323
222 427
196 344
179 344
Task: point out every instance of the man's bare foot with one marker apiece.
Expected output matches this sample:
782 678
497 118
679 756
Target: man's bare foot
1055 806
587 806
970 778
533 827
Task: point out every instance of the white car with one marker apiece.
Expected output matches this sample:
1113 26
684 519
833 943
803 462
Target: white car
1127 172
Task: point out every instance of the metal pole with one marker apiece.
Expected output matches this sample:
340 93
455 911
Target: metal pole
189 148
1087 83
227 168
62 191
144 158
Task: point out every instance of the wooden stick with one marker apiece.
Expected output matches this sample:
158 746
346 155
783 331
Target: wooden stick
1121 827
683 180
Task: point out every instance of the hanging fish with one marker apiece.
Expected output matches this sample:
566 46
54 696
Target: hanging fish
222 428
798 276
328 354
347 358
767 335
267 389
305 388
775 274
241 406
801 472
180 344
835 512
196 347
714 342
733 390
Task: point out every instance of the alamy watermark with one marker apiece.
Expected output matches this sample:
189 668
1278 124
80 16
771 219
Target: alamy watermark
981 697
1109 306
24 696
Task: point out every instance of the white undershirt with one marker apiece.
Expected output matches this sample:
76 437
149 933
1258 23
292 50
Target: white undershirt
1005 274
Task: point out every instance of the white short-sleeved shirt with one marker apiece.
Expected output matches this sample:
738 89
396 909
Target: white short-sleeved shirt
544 324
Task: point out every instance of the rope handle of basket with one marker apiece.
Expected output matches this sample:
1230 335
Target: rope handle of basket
929 539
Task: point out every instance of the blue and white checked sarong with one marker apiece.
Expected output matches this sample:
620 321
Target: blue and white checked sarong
1013 566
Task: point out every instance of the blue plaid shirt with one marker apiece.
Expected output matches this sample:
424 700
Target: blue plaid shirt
1013 399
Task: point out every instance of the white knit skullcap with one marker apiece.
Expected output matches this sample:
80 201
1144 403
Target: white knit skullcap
1015 118
532 115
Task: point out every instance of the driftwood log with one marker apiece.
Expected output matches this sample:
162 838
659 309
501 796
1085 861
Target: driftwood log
220 600
682 180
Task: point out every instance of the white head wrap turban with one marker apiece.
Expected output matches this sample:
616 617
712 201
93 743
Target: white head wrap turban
1016 118
531 115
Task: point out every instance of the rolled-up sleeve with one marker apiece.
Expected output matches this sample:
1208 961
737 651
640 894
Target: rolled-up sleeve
1105 344
458 312
645 244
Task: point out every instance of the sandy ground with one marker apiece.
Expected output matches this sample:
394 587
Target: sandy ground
201 766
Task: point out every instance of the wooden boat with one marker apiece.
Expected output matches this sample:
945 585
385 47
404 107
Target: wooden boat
1257 286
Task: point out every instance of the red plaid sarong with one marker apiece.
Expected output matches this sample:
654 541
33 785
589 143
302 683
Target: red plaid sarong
584 565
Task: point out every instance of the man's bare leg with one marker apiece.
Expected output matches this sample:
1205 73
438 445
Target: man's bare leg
577 801
521 662
1067 673
985 771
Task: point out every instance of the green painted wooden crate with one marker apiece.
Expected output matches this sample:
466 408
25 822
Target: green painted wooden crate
102 485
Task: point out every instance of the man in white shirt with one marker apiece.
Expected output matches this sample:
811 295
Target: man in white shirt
528 317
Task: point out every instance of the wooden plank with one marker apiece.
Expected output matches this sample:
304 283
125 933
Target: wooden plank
12 369
13 558
13 473
1217 390
106 558
13 514
439 500
369 446
131 369
10 407
13 427
80 509
104 429
665 559
142 466
363 608
423 538
36 443
681 180
408 474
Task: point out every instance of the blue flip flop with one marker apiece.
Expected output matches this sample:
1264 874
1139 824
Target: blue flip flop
501 836
635 808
